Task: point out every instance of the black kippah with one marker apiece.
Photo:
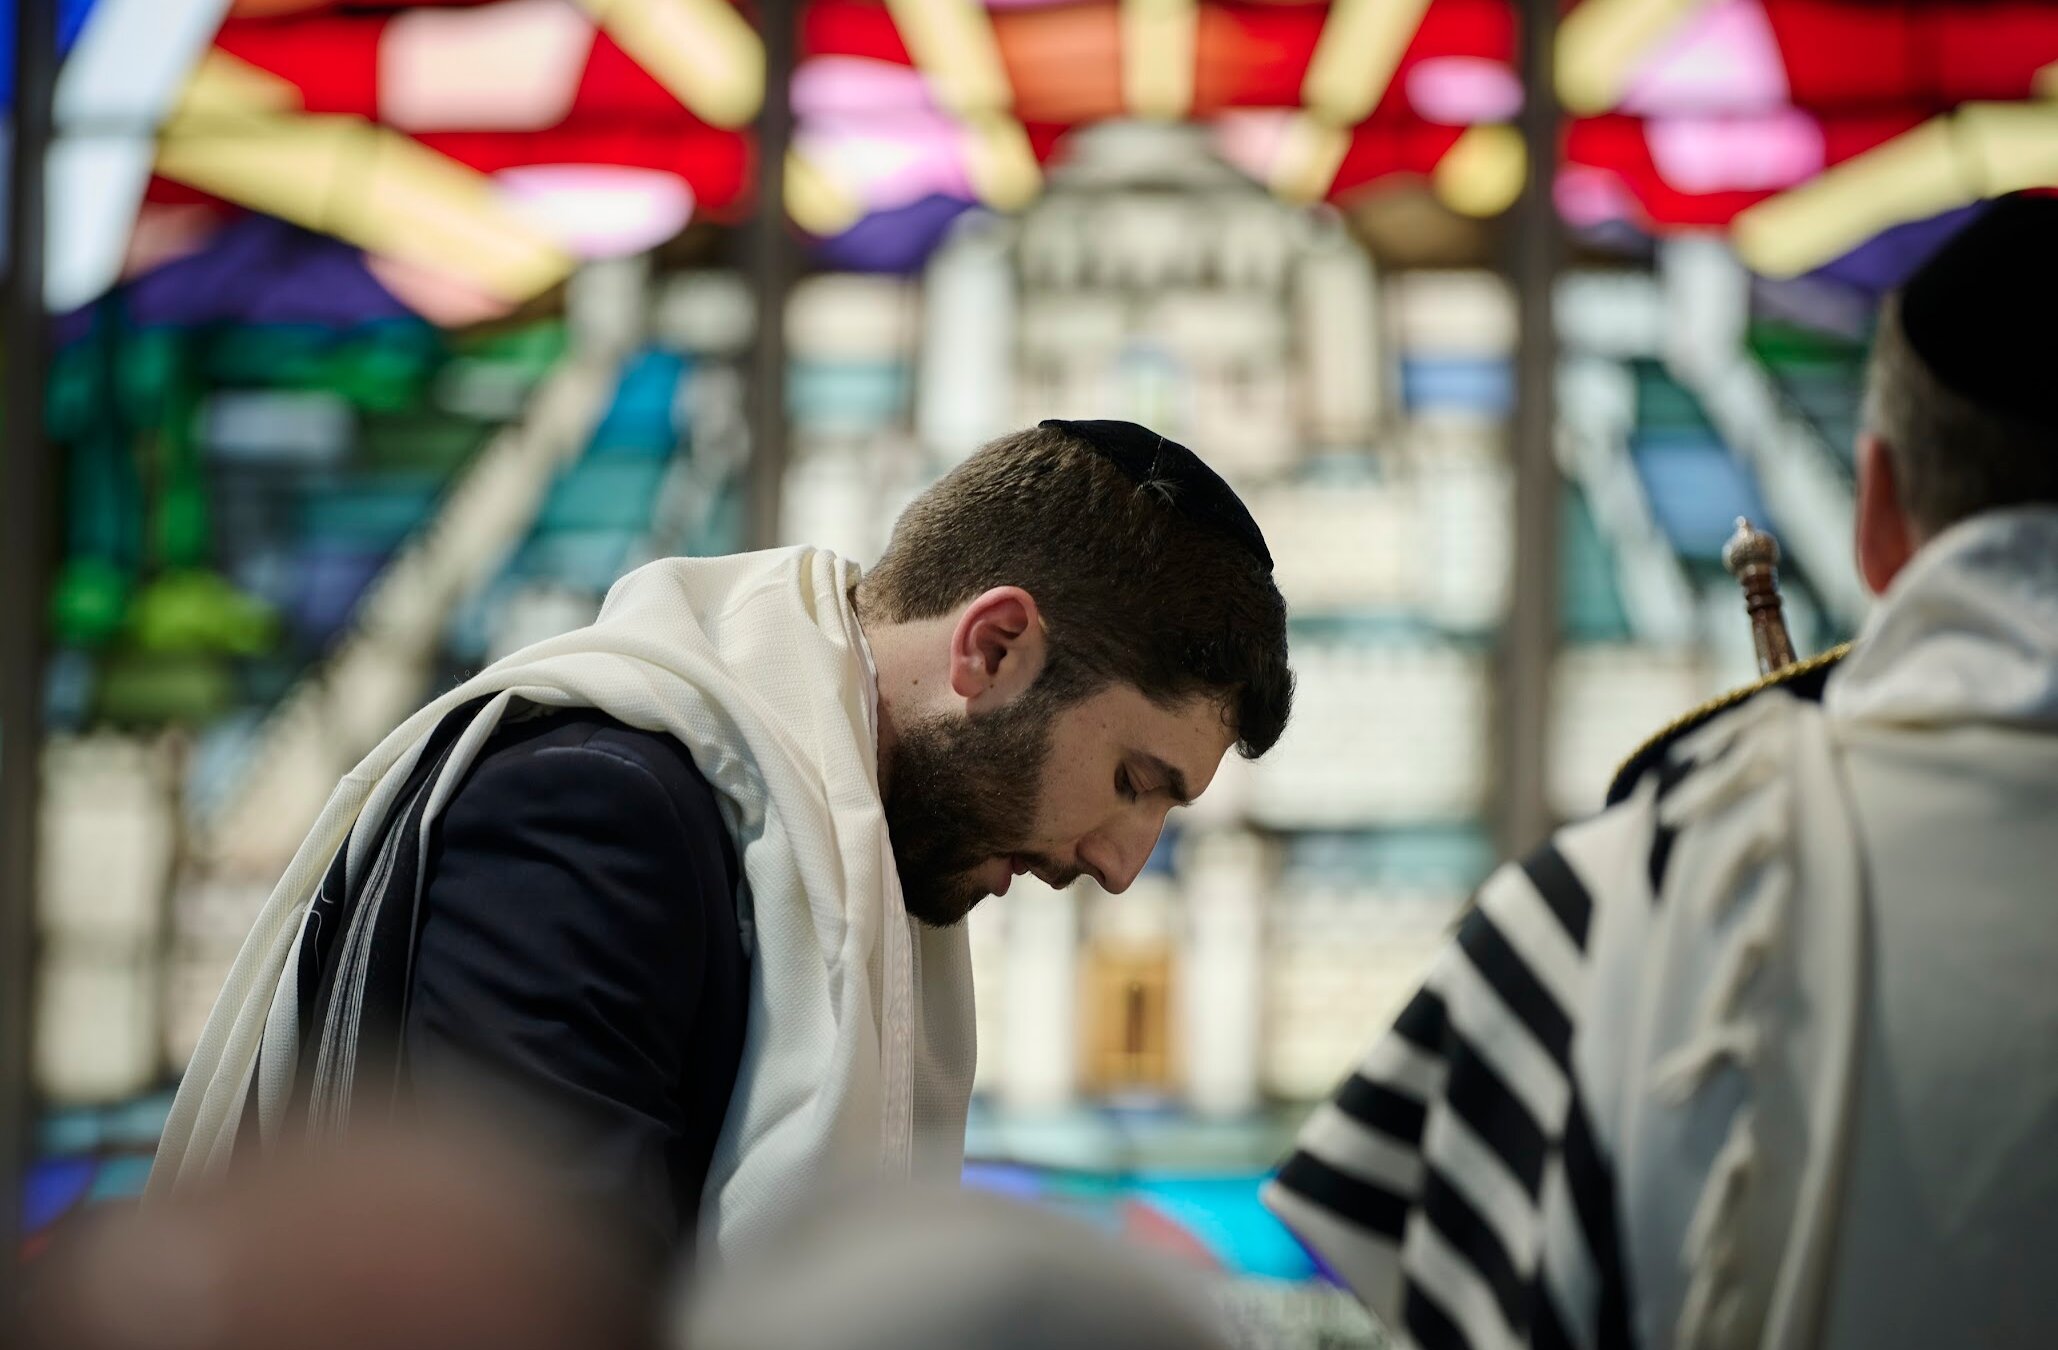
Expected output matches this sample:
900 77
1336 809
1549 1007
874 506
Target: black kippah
1980 312
1196 491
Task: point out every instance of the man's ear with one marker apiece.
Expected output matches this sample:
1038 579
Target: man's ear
1886 537
997 648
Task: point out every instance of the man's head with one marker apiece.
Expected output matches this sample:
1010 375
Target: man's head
431 1237
929 1268
1961 410
1070 636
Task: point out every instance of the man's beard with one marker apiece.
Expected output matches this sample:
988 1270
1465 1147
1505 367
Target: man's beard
962 792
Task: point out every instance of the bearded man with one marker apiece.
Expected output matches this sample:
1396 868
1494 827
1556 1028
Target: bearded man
686 887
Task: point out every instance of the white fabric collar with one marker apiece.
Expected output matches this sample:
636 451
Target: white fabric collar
1968 633
868 666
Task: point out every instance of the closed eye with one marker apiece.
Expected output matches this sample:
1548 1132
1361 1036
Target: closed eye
1125 785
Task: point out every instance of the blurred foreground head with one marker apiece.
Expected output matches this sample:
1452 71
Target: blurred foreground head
400 1242
949 1270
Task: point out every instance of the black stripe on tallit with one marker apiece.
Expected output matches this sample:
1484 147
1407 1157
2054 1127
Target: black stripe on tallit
1562 891
1671 773
389 974
336 906
1497 1117
1470 1236
1592 1188
1364 1204
320 936
1502 966
378 1027
1378 1107
1424 1023
1546 1326
1428 1324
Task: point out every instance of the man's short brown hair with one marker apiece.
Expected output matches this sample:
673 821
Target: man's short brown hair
1131 591
1952 457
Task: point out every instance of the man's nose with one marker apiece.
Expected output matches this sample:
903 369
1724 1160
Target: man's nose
1117 854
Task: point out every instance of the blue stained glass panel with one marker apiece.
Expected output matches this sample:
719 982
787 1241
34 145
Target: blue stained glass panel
1697 489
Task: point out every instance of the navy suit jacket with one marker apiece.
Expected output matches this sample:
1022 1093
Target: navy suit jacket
580 962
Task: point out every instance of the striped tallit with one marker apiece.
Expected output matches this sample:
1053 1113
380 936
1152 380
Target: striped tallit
1624 1109
1602 1025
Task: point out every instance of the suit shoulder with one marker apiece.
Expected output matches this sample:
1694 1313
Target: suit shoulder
1803 679
659 752
534 734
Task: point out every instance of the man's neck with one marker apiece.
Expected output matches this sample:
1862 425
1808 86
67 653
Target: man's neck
909 678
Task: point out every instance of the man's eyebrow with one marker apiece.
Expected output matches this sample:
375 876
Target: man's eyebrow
1174 781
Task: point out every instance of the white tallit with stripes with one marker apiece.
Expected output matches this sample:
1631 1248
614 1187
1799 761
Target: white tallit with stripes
1467 1180
859 1050
1621 1111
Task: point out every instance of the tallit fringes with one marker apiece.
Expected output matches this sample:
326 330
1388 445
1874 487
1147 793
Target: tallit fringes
1713 737
1741 792
1710 1248
1680 1074
1720 779
1755 936
1726 1176
1761 852
1749 779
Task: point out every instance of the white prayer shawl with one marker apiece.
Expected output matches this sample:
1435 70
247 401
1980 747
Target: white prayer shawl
858 1055
1621 1110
